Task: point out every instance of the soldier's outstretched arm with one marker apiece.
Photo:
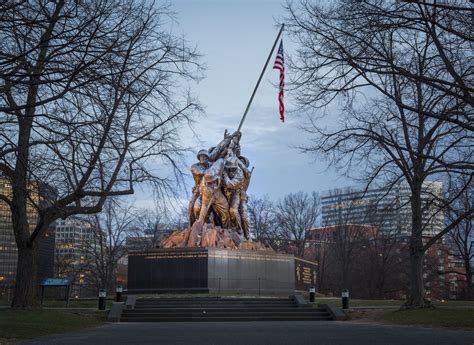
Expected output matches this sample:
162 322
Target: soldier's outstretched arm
220 150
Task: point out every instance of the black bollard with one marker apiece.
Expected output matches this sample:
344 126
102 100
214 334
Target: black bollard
118 293
312 293
345 298
102 299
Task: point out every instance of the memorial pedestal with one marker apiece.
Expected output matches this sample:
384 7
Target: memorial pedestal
210 270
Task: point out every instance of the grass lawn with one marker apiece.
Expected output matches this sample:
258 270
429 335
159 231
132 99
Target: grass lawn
387 302
78 303
73 303
21 324
438 317
359 302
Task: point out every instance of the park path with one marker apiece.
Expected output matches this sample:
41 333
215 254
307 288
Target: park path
262 333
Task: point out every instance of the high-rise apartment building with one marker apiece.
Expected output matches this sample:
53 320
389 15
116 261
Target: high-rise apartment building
387 209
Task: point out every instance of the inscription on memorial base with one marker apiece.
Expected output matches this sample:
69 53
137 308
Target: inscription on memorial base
210 270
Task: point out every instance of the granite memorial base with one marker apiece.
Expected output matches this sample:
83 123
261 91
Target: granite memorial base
210 270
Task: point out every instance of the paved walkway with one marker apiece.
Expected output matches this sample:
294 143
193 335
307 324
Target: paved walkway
262 333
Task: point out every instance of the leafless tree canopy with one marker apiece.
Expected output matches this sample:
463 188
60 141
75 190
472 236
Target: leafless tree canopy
403 72
107 245
262 218
359 250
294 215
367 43
92 94
462 237
151 226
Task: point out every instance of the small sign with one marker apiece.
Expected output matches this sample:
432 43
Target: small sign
119 288
102 293
305 274
345 293
55 282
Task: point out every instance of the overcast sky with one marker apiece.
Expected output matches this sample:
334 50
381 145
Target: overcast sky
235 38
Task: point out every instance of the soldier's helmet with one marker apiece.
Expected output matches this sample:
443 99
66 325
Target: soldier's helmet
202 152
245 160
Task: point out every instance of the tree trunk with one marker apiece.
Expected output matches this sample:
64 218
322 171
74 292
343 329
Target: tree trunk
26 282
417 290
416 296
469 285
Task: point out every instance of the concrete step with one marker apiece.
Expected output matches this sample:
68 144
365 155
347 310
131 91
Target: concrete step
222 310
216 307
217 301
225 312
204 306
214 301
289 317
184 299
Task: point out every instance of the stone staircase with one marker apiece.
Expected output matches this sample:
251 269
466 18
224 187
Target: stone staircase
221 309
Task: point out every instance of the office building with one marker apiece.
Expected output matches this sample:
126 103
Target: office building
74 238
8 247
387 209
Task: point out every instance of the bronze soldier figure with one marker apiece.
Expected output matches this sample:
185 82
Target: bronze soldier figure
221 180
244 164
198 171
233 179
211 194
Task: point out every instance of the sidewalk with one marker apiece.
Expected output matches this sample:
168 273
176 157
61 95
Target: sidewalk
264 332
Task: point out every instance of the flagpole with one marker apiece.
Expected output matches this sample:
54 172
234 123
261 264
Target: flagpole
260 78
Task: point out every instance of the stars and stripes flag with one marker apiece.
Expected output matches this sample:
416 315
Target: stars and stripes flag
279 64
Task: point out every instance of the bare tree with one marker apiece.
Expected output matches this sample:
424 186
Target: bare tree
397 125
151 227
357 246
90 96
364 42
107 245
319 252
262 218
295 214
68 266
380 267
342 240
462 236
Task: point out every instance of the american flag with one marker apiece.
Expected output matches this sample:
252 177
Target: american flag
279 64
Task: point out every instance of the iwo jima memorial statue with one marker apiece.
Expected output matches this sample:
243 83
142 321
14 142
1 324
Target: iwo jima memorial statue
217 211
215 252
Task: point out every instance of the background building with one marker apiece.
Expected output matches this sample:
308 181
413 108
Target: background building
72 255
8 247
364 241
388 209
